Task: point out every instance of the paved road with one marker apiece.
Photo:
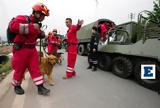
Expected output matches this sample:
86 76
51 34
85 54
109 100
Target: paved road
87 90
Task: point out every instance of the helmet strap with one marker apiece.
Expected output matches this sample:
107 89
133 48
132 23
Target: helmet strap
36 18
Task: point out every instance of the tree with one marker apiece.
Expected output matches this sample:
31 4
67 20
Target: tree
156 11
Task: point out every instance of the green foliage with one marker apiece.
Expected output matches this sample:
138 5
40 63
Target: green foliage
156 11
5 67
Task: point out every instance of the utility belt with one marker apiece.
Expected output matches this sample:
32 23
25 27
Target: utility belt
20 46
54 44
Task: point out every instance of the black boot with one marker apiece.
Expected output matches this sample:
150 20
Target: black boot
18 90
94 68
42 90
89 67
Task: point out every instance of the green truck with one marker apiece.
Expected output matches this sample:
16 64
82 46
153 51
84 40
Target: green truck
127 47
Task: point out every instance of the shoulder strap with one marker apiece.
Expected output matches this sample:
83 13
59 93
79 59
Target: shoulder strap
28 19
57 37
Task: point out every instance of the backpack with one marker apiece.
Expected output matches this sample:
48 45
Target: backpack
11 35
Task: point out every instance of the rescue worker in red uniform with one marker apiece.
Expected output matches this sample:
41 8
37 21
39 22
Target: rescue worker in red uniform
25 55
72 42
103 31
53 42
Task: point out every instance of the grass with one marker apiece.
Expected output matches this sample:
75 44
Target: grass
5 69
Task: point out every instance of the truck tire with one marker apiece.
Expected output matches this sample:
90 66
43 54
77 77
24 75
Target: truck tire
148 83
81 49
88 47
122 67
104 62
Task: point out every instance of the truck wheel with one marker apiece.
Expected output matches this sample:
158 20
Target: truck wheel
122 67
104 62
148 83
88 46
81 49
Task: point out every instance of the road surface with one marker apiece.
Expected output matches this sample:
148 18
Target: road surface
87 90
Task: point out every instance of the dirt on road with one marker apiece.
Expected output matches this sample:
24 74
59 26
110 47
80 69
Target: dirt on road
5 49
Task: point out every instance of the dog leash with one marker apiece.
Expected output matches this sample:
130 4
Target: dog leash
43 28
45 52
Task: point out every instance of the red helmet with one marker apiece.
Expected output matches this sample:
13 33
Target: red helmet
41 8
49 33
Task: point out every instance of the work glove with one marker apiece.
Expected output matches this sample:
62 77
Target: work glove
41 35
40 25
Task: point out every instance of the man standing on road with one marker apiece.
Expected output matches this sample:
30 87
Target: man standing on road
93 49
25 55
72 42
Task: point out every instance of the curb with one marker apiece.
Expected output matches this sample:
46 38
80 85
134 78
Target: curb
5 85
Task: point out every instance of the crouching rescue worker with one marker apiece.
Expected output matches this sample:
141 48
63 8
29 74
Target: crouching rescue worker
103 31
93 49
25 55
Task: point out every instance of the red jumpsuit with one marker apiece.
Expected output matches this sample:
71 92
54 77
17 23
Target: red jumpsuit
72 49
103 32
25 56
53 42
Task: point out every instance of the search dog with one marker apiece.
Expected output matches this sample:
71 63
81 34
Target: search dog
46 66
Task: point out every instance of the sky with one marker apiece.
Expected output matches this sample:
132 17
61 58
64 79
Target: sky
88 10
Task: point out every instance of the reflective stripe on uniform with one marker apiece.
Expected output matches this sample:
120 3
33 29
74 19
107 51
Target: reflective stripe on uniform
38 78
36 26
95 62
95 43
15 83
26 30
69 69
39 82
23 29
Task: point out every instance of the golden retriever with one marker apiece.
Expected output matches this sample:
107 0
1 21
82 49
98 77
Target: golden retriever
46 66
59 57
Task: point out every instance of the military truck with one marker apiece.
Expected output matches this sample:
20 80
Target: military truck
84 35
127 47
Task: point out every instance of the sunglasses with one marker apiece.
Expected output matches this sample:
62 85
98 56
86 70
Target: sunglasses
41 14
